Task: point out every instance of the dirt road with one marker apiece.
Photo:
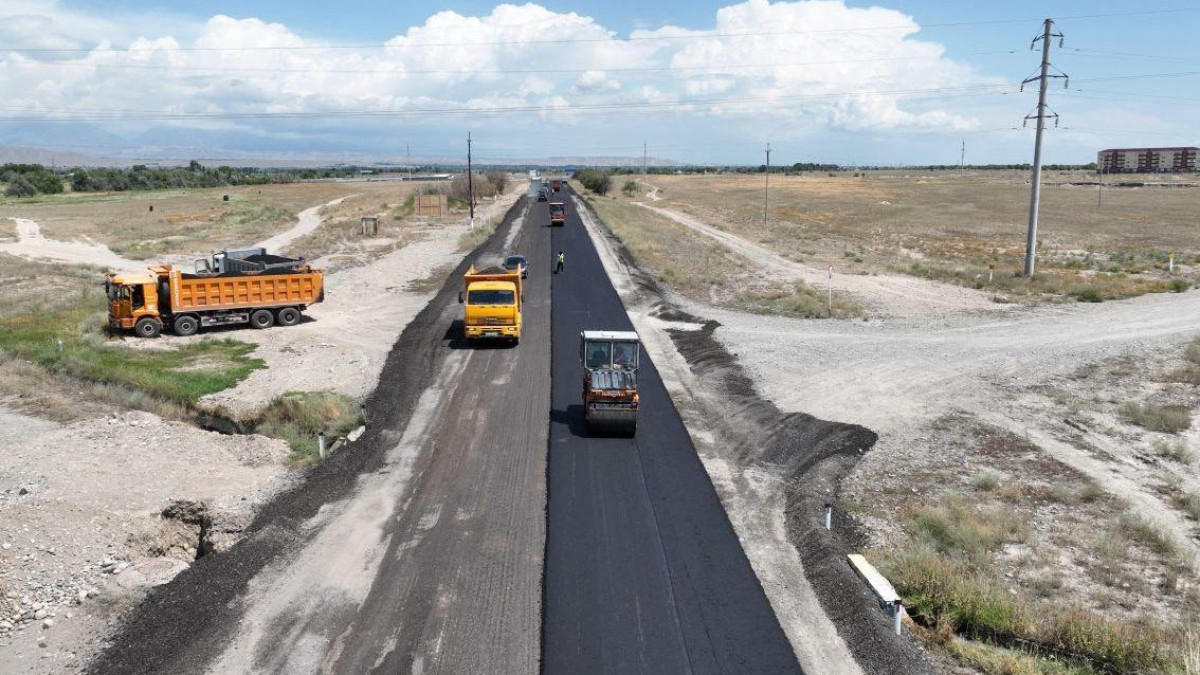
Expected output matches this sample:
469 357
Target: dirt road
416 549
893 378
307 221
31 243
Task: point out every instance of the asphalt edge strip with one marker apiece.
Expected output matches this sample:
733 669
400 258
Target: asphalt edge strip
816 455
177 627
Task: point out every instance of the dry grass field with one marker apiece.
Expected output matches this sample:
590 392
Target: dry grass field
185 221
952 227
705 271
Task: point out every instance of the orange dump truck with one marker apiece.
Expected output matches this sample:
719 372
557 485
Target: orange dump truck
260 290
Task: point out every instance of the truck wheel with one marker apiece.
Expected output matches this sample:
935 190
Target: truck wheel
262 318
147 327
288 316
186 325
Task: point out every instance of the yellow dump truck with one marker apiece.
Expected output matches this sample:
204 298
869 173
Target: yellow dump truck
491 299
257 289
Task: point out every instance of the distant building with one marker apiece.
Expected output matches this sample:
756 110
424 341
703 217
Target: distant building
1148 160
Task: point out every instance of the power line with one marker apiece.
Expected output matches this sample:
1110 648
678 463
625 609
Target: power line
499 71
607 39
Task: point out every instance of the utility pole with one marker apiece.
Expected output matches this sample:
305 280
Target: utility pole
1043 79
645 172
767 182
408 160
962 158
470 182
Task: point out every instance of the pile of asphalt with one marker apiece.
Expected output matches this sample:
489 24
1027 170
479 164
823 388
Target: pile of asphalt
814 455
182 624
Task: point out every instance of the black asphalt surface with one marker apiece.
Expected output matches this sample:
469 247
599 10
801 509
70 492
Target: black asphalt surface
643 570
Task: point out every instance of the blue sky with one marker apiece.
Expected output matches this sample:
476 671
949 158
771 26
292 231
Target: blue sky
827 82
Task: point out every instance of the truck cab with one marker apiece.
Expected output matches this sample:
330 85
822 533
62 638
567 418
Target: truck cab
491 300
132 298
610 383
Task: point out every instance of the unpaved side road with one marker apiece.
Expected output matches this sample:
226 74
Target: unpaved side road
884 295
416 548
307 221
895 378
31 243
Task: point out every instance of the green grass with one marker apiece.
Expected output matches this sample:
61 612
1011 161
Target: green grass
1165 418
945 576
796 300
296 417
182 375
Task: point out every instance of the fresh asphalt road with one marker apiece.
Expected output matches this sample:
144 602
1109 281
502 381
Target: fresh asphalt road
643 570
444 539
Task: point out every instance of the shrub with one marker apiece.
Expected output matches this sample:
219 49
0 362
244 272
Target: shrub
629 189
19 187
296 417
1089 295
1169 419
1180 285
599 182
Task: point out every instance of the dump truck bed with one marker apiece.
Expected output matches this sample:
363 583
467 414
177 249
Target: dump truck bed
198 293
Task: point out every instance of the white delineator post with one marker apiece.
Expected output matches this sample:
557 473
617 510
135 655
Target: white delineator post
321 444
897 611
831 291
828 516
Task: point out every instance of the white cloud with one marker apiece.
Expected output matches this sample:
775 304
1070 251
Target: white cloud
769 83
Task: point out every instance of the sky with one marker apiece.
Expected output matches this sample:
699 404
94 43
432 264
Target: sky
855 83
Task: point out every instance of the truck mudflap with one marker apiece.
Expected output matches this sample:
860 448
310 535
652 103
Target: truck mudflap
612 418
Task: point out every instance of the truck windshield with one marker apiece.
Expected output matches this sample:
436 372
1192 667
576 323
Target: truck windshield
557 209
490 297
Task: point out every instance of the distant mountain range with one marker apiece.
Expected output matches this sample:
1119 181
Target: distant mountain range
75 143
284 159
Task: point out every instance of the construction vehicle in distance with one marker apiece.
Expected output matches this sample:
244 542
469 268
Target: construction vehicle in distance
610 387
233 287
492 300
558 213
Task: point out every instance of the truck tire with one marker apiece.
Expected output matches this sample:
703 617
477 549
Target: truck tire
288 316
262 318
185 325
147 327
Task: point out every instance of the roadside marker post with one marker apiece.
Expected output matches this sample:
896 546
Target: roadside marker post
897 610
59 346
321 444
1171 264
828 516
831 291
